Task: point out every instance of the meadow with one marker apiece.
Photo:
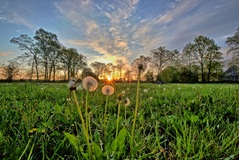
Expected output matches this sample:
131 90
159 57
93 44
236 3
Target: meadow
174 121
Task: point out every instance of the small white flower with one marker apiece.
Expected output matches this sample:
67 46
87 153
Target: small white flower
123 92
145 90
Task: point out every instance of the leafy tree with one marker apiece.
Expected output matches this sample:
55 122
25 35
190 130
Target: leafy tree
204 51
11 70
170 75
187 75
233 44
49 47
149 76
161 58
87 72
72 61
26 43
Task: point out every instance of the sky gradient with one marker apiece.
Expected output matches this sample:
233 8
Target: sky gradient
107 30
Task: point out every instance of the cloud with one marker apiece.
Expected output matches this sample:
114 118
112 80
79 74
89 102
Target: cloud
114 29
103 30
3 54
13 13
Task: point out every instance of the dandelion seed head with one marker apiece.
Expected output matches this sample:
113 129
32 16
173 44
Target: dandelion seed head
145 90
123 92
126 102
89 83
108 90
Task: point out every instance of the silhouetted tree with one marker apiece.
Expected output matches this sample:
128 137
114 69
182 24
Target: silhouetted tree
98 68
25 43
49 47
11 70
72 61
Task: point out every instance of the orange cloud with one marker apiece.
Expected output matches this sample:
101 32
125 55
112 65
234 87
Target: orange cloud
5 53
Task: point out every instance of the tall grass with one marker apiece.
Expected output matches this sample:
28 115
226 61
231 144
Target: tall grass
174 121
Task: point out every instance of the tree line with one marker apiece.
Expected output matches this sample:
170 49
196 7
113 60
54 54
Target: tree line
45 58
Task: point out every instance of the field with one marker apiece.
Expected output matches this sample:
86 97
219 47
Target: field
174 121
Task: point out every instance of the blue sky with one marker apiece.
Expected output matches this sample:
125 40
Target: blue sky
107 30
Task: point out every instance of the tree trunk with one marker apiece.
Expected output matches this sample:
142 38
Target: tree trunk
46 71
32 70
209 72
36 67
54 73
202 72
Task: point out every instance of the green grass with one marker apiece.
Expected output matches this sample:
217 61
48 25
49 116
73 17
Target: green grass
174 121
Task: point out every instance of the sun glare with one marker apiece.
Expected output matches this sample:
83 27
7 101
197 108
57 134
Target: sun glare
109 78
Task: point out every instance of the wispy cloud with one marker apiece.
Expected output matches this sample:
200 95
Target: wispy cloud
12 13
114 30
2 54
106 36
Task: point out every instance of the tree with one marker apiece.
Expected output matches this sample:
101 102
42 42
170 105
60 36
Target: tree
213 56
72 61
149 76
187 75
233 44
49 46
87 72
11 70
98 68
120 64
204 52
127 74
161 58
27 44
170 75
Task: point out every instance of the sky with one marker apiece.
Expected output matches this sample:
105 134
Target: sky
108 30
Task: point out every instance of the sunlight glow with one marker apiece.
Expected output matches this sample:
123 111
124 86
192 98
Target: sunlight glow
109 78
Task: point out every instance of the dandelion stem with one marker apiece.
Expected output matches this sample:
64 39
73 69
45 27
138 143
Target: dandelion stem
125 114
117 127
135 115
105 119
83 125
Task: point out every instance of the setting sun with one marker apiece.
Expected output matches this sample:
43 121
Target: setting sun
109 78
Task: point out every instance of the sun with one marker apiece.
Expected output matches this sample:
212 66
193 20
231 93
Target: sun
109 78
